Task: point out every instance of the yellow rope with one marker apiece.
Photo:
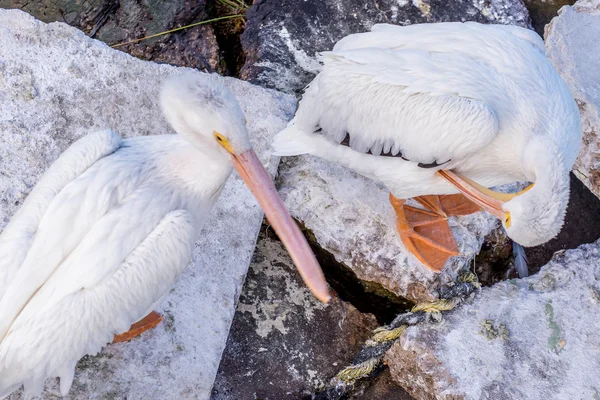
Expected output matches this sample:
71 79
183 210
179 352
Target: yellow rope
355 372
433 306
471 278
382 334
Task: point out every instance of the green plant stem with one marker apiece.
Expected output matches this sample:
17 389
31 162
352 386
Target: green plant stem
231 4
178 29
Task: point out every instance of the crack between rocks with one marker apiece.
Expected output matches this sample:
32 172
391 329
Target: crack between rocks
227 34
365 296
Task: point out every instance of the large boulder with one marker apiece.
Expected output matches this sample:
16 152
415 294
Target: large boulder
350 217
573 47
283 342
56 85
118 21
282 37
534 338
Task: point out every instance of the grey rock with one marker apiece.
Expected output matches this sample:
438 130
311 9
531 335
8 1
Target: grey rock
573 47
533 338
282 37
118 21
283 343
350 217
57 85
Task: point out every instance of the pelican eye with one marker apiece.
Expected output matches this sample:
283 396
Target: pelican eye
222 140
507 220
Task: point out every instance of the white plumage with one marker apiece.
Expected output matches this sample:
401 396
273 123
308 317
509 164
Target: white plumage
480 100
101 238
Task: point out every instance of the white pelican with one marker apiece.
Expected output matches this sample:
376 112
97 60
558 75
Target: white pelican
431 109
103 235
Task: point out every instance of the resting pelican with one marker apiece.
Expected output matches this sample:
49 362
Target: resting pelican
103 235
435 110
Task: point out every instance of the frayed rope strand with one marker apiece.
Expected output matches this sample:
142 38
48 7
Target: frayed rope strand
368 362
354 372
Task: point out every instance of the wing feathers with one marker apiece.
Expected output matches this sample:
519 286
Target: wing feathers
37 347
17 237
400 100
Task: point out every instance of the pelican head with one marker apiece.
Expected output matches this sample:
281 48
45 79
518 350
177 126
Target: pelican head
204 112
533 218
207 114
536 214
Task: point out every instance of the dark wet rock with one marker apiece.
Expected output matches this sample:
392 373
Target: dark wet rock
494 263
283 343
117 21
542 11
282 37
382 387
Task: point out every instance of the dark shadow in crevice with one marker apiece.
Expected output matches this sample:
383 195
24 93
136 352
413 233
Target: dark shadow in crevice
366 297
227 33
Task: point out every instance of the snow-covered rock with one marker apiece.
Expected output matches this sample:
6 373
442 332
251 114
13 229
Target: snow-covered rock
350 217
573 47
57 85
282 37
534 338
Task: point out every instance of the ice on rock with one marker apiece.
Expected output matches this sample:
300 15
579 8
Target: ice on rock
573 47
528 339
56 85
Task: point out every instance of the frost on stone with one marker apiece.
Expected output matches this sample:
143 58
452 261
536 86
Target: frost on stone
533 338
350 217
57 85
573 47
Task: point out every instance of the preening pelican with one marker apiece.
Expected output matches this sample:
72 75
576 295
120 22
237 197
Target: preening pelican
435 110
101 238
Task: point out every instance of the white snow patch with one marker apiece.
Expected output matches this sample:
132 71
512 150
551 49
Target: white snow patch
304 61
573 47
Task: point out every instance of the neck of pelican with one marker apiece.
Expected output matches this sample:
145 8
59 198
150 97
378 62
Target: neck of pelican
544 165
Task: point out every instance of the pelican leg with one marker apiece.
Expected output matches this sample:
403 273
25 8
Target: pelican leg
448 205
425 232
148 322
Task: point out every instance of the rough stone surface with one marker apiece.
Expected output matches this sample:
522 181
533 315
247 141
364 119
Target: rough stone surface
573 47
534 338
581 226
350 216
283 343
117 21
57 85
542 11
282 37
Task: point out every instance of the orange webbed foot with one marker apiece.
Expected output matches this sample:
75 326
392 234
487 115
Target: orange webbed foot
425 232
148 322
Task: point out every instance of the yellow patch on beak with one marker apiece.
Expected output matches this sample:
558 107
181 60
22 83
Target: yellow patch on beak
223 142
507 220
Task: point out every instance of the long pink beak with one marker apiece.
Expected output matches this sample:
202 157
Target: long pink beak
259 181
